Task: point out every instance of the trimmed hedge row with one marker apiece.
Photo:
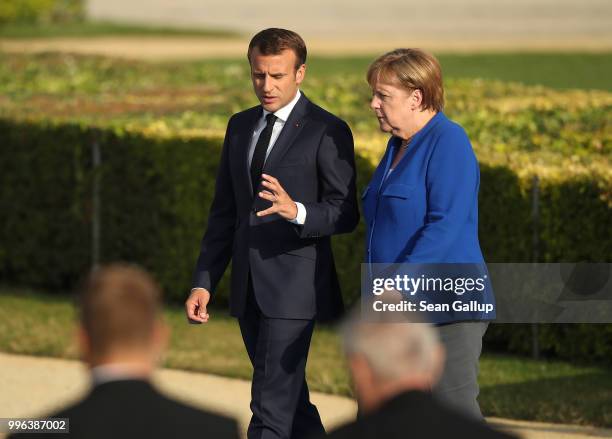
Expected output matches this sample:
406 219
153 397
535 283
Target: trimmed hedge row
155 193
572 342
40 11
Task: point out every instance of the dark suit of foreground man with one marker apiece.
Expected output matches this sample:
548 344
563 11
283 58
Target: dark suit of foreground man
285 184
121 336
394 363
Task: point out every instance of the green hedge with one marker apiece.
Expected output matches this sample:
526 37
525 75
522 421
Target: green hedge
44 187
591 343
40 11
156 191
154 194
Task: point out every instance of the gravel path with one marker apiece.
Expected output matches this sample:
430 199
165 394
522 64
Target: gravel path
186 48
432 19
348 27
34 386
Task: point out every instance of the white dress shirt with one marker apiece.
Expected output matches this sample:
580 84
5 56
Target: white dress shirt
282 115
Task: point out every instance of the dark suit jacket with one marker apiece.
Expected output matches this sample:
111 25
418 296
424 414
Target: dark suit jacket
134 409
415 415
292 267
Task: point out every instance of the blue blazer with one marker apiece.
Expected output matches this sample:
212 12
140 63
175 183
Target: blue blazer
426 209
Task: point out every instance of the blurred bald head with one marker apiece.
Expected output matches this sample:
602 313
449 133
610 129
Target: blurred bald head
119 310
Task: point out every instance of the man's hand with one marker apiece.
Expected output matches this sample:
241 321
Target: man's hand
195 306
281 201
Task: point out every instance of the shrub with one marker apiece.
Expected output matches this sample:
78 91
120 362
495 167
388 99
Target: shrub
40 11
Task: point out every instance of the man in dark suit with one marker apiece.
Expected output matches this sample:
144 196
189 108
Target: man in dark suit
394 363
285 184
121 336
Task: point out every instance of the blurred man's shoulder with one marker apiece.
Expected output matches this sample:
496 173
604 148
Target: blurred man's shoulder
151 414
421 415
397 427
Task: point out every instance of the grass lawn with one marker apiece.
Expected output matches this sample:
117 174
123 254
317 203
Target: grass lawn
102 28
561 70
511 387
556 70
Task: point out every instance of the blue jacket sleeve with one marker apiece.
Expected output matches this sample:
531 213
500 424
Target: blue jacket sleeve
452 182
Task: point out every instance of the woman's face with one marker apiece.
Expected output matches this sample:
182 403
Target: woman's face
395 108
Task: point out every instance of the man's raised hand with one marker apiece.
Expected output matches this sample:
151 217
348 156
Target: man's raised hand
281 201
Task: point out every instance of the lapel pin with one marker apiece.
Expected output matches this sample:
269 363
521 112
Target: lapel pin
297 124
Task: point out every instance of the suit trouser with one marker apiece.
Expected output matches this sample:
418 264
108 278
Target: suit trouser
278 349
458 386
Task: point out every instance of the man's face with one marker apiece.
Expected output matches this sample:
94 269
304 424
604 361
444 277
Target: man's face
275 78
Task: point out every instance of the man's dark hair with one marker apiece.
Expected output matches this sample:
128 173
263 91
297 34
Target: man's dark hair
274 40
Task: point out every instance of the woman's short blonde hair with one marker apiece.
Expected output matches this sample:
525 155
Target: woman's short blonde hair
410 69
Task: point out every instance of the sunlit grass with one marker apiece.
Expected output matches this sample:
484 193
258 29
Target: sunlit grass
511 387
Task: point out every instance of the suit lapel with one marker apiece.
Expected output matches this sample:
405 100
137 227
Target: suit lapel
244 139
294 124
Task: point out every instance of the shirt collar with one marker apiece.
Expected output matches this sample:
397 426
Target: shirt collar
283 113
113 372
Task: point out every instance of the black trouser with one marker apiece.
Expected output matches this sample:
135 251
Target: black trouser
278 349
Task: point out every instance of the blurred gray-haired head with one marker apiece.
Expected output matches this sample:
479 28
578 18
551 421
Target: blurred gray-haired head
394 344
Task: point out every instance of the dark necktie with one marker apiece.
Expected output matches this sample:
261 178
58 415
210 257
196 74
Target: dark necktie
259 156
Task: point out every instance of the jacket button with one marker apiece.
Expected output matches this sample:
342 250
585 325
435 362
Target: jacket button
254 210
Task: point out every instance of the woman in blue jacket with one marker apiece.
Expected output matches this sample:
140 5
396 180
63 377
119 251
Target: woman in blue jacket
421 205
